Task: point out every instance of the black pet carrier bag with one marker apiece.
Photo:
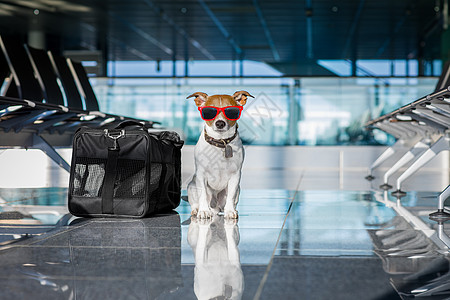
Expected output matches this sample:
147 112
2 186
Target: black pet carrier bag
124 172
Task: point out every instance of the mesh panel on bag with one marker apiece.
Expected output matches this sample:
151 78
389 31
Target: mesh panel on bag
130 179
130 182
155 176
88 177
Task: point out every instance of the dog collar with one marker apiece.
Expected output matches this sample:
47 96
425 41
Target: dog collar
222 143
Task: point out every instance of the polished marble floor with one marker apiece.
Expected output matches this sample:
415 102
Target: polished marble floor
302 243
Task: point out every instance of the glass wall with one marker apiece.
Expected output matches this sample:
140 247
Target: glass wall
285 111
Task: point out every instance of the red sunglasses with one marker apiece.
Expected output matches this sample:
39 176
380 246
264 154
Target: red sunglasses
209 113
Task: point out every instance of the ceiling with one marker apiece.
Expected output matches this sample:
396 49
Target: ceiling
289 35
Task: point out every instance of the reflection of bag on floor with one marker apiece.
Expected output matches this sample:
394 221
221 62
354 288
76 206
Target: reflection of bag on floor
132 259
125 172
99 259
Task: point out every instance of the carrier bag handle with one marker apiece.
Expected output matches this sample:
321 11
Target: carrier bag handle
128 123
168 137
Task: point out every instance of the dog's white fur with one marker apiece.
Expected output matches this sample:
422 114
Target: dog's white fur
217 273
214 187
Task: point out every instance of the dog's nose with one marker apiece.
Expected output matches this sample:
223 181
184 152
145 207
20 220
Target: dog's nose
220 124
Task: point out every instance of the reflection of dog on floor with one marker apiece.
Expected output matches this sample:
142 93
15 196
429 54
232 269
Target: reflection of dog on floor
219 155
218 273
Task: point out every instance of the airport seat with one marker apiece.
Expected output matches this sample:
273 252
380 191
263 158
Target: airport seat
389 122
83 84
23 105
76 84
430 114
427 121
417 127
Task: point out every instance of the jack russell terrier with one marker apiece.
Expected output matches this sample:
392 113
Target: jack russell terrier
219 155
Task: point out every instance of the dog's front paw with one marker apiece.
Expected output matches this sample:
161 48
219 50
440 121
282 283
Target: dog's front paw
204 214
194 212
231 214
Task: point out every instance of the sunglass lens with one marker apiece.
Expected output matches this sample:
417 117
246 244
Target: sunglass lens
232 113
209 113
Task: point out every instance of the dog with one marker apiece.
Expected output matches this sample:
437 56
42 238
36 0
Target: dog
218 273
218 155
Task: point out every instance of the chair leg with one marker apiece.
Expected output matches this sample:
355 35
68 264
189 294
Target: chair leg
41 144
415 151
384 156
441 215
441 145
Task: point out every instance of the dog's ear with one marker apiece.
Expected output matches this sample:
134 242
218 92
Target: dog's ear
200 98
241 97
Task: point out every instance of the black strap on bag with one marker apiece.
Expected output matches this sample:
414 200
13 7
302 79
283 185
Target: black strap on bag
110 173
108 185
